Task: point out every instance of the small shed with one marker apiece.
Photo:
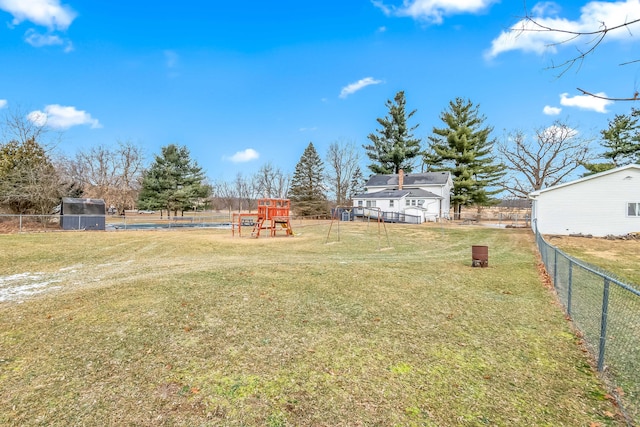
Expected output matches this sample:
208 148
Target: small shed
82 214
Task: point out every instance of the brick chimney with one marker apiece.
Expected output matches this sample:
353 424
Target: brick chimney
400 179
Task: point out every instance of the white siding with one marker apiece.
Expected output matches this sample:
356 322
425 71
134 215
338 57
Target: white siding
383 204
595 206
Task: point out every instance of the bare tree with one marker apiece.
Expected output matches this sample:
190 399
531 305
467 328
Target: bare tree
18 125
110 174
264 180
226 193
542 161
131 159
271 182
342 163
246 191
282 184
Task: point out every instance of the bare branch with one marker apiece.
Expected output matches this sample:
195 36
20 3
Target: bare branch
636 96
592 40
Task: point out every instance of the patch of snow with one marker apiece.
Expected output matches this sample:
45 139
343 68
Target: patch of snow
22 285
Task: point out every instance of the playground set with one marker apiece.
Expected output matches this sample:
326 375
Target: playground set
272 215
351 213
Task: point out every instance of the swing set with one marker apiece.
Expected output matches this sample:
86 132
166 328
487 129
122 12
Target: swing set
350 213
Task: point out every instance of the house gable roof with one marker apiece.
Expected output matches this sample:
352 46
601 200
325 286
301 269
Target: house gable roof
398 194
418 192
410 179
384 194
635 167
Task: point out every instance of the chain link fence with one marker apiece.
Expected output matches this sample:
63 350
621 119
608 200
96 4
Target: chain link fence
606 313
131 221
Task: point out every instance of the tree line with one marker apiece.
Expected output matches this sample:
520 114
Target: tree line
33 179
481 166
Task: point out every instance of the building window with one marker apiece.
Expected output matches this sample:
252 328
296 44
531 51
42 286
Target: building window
633 209
359 203
371 203
390 203
408 202
413 203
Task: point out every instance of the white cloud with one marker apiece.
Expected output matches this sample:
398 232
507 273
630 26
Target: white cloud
586 102
47 13
61 117
38 40
594 16
311 129
244 156
360 84
3 103
433 11
559 133
551 111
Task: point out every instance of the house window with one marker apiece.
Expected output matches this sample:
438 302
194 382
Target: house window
390 203
633 209
413 203
408 202
359 203
371 203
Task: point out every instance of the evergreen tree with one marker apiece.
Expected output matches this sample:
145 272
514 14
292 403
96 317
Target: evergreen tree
463 148
173 182
356 185
621 141
307 192
393 147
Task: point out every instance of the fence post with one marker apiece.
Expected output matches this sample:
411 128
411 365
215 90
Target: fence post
603 324
555 267
21 223
569 285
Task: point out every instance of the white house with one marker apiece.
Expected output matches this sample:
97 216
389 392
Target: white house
607 203
416 198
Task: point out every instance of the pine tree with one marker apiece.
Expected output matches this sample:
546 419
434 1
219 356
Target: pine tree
621 141
393 147
463 148
307 192
356 186
173 182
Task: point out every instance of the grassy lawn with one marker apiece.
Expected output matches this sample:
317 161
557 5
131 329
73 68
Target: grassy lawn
198 328
620 257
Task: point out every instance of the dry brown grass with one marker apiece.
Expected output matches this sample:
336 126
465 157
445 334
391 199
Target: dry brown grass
620 257
199 328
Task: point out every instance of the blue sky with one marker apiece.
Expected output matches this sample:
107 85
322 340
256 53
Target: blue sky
246 83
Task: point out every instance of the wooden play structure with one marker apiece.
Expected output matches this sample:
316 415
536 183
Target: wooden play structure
272 215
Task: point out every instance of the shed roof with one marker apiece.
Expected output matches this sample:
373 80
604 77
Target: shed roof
82 201
410 179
